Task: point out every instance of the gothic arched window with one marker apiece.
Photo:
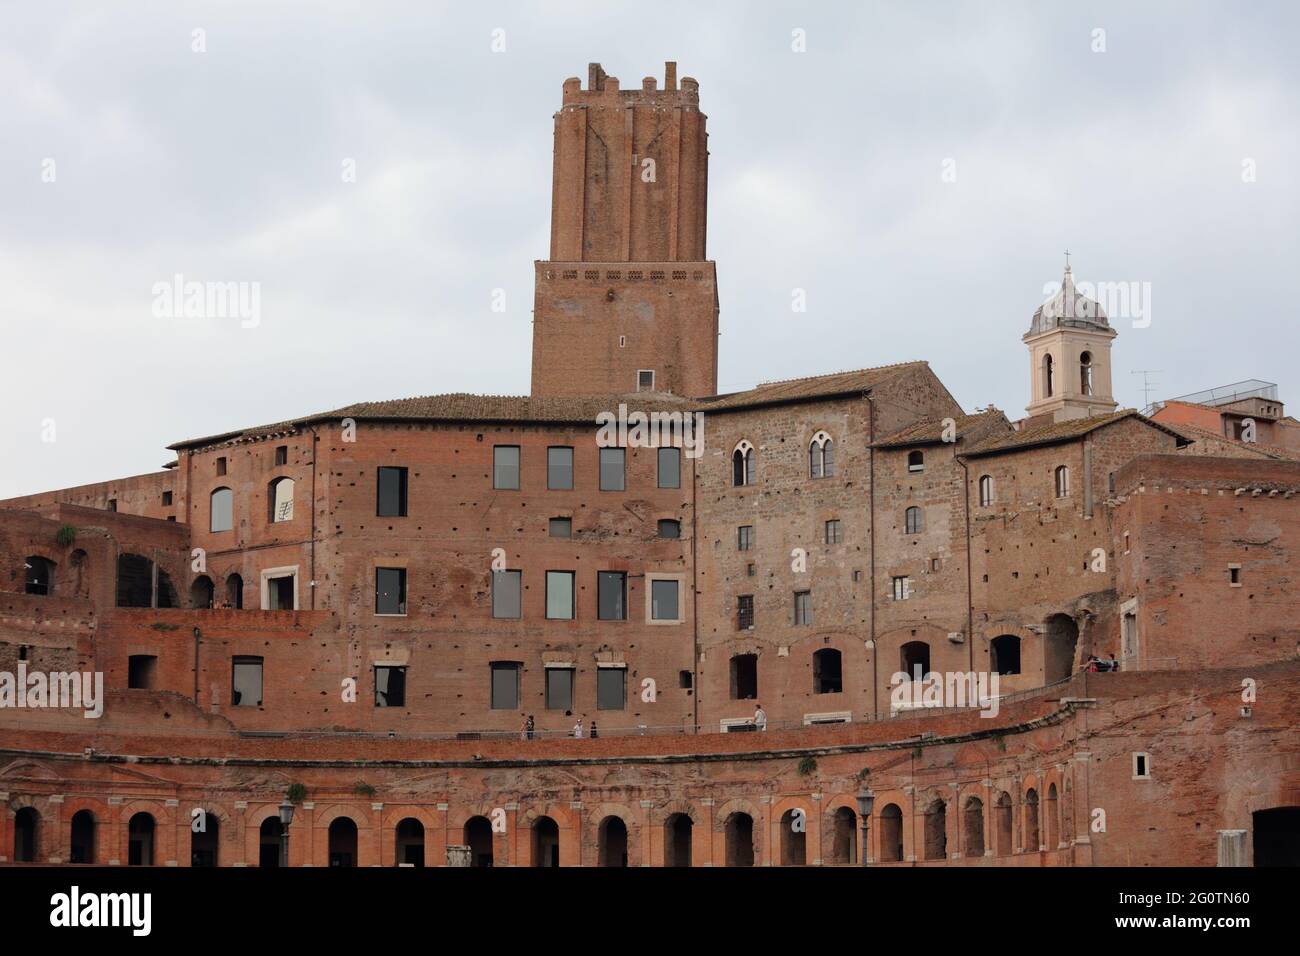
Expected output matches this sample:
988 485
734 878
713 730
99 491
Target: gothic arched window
821 456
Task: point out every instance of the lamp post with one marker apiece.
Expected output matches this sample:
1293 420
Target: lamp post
866 800
286 817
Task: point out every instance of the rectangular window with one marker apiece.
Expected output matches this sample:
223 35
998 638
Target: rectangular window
611 469
141 669
392 493
902 588
505 467
112 506
663 601
505 685
833 532
803 607
745 612
221 465
506 590
559 688
559 468
167 499
282 454
246 682
390 590
611 589
670 467
561 527
744 537
670 528
645 380
611 688
559 595
390 686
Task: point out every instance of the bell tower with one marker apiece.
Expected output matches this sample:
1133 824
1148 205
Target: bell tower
627 301
1069 356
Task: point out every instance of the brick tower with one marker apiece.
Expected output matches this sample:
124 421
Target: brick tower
627 302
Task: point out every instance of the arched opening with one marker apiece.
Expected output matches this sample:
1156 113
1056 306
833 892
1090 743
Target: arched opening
739 830
912 520
677 840
891 834
1004 654
1085 373
343 842
986 490
844 836
742 465
279 495
915 659
1049 385
1276 836
38 575
202 592
27 830
221 510
546 842
139 847
79 566
1059 647
410 843
972 829
166 593
206 840
1051 814
1032 841
794 838
915 461
1002 825
936 831
235 592
828 671
1062 478
268 842
83 837
478 837
821 456
611 839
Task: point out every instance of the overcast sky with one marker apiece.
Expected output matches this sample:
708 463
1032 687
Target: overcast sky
919 170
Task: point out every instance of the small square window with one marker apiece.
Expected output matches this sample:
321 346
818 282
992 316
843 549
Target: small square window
141 670
645 380
390 686
112 504
561 527
167 499
670 528
282 454
1234 575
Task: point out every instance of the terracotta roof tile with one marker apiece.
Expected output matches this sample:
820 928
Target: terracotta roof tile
929 431
1058 432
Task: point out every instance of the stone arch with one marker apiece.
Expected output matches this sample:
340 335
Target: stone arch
890 825
202 592
591 831
27 826
840 825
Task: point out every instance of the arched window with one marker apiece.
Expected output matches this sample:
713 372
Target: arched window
739 839
1048 385
678 829
26 835
916 461
343 842
742 465
794 840
82 845
410 843
202 592
1051 815
38 575
891 834
844 837
828 671
268 842
478 837
821 456
546 842
1004 654
972 826
611 842
205 842
986 490
915 659
912 520
222 510
280 496
936 831
234 591
1085 373
1062 481
1031 820
139 850
1002 825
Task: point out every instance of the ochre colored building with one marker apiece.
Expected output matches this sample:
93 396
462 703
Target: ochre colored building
360 610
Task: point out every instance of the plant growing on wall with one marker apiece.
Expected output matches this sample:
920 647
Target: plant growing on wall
363 789
808 765
66 535
297 792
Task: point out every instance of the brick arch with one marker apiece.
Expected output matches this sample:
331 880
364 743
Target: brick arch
561 814
61 843
457 817
741 805
393 814
590 832
660 814
358 814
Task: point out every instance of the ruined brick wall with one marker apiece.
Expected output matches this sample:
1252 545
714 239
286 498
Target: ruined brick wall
1188 523
138 495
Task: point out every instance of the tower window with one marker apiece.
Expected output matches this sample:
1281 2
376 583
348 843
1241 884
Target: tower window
505 467
1085 373
745 612
742 465
1048 384
282 454
391 484
912 520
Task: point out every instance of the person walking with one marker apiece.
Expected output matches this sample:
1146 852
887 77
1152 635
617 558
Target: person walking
529 727
760 718
577 729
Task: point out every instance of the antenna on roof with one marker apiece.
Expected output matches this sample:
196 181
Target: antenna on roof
1147 386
